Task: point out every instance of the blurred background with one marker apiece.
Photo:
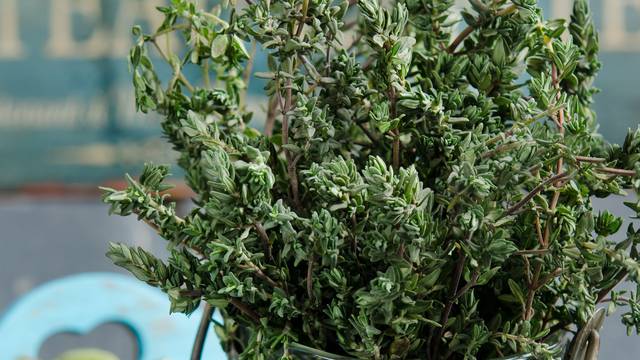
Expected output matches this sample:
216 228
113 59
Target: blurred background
68 124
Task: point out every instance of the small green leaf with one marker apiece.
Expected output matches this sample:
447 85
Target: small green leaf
219 45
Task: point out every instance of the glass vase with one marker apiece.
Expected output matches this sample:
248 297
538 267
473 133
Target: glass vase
301 352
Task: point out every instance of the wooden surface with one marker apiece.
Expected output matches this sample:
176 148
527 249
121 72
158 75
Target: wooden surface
57 190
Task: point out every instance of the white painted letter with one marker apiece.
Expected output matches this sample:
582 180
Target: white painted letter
129 14
61 42
615 32
561 9
10 44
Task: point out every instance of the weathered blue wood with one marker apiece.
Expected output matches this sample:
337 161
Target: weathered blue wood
80 303
58 111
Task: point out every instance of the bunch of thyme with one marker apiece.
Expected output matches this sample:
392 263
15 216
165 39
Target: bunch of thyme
418 192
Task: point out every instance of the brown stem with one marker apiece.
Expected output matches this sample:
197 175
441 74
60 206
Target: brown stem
527 311
472 282
532 252
310 70
291 164
246 75
614 171
590 159
548 278
310 277
539 230
203 328
368 133
396 150
395 133
460 38
242 307
305 8
271 116
560 163
607 170
535 191
527 269
293 179
264 237
527 122
260 274
534 285
604 292
153 226
444 317
178 75
246 310
554 79
469 29
194 250
327 59
618 298
284 109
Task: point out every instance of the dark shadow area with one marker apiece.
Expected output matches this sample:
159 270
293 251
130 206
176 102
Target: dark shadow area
113 337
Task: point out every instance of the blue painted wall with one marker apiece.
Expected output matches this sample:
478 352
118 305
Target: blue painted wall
66 107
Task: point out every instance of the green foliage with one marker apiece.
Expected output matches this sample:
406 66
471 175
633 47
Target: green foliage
418 192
